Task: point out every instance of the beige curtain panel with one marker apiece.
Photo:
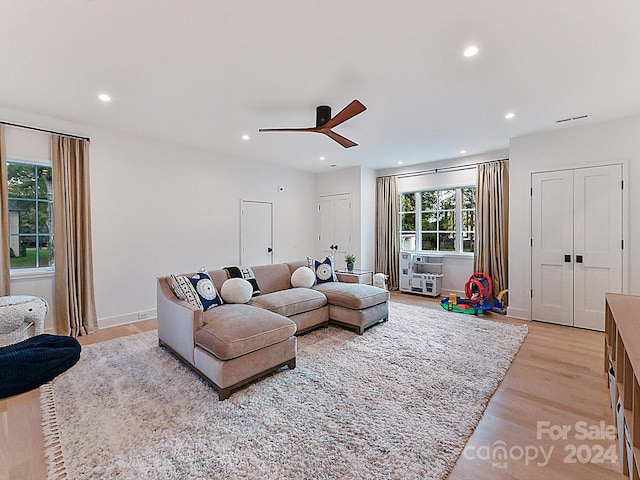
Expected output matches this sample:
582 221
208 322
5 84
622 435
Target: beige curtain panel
5 287
387 244
74 293
492 223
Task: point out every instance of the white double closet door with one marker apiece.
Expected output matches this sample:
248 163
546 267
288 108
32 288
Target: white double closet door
335 226
577 245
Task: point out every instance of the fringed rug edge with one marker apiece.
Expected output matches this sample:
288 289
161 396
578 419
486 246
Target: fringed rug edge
56 469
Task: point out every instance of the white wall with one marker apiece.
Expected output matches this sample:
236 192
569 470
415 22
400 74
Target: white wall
159 208
367 218
609 142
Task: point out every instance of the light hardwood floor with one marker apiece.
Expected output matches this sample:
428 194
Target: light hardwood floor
557 377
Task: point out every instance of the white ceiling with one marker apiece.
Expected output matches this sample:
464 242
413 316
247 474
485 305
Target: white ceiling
205 72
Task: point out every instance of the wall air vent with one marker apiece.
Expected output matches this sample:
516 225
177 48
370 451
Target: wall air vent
571 119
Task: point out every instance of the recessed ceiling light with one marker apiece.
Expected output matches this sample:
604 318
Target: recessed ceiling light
509 115
471 51
400 162
245 137
322 158
104 97
462 152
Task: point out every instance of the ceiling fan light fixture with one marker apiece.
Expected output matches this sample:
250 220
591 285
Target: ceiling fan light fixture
323 115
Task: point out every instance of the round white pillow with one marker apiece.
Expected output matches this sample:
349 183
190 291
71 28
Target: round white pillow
303 277
236 290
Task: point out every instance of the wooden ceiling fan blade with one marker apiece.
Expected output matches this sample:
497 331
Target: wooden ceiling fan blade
345 142
351 110
308 129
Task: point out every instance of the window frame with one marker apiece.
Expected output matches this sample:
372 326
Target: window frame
418 211
38 271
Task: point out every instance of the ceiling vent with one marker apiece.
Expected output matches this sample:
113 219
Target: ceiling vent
571 119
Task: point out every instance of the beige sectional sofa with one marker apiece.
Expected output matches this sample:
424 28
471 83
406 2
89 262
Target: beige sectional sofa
233 344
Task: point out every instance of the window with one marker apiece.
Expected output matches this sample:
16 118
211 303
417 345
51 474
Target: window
438 220
30 195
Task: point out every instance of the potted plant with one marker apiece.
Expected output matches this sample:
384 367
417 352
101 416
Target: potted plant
350 259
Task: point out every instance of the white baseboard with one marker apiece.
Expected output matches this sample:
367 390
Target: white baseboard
519 313
127 318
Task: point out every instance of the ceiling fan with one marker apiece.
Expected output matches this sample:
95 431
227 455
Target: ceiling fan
324 122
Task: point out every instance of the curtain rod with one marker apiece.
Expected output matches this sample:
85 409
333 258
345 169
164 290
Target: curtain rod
45 130
452 168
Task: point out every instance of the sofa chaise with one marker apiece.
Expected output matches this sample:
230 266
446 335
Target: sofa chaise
235 343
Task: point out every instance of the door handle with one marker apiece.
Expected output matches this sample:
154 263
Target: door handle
567 258
269 249
578 258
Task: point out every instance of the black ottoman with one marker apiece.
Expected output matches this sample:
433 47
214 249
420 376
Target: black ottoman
35 361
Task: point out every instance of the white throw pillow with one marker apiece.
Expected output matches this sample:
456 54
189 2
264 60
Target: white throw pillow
303 277
236 290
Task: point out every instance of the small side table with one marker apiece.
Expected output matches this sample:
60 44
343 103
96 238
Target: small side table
355 276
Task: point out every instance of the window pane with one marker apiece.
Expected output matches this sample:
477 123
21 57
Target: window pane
24 213
45 183
45 251
45 217
407 202
447 221
429 221
447 199
21 181
468 241
407 242
408 222
468 220
469 197
429 200
429 241
447 242
25 255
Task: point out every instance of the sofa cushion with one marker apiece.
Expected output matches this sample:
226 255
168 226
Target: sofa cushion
273 278
352 295
303 277
291 301
233 330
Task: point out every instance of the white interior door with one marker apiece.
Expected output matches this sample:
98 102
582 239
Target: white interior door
327 224
597 226
335 226
342 227
576 244
552 247
256 233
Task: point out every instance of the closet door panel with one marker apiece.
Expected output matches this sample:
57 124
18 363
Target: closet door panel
597 241
552 247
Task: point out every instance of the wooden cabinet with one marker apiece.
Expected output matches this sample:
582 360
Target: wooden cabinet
622 363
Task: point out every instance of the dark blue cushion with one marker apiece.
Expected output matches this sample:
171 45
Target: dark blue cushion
35 361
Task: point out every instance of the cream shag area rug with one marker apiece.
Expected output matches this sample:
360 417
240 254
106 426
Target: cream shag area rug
398 402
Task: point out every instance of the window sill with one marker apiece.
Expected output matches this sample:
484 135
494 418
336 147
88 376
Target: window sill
460 255
27 273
